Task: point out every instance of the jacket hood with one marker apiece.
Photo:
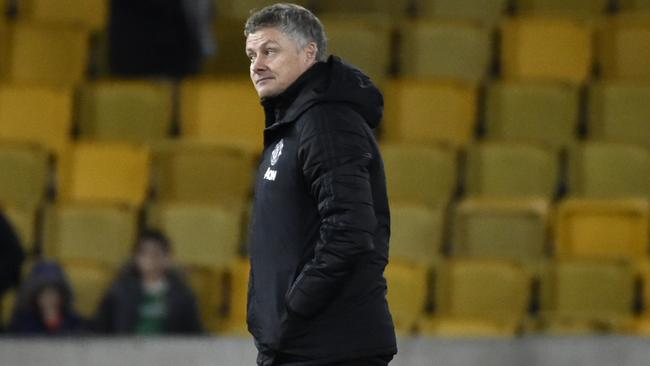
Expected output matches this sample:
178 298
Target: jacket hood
44 274
332 81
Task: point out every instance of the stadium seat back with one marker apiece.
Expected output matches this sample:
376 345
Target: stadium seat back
486 12
632 5
27 168
578 9
417 233
208 287
420 174
429 112
89 283
546 49
543 112
624 49
511 170
407 294
235 321
132 111
92 14
445 50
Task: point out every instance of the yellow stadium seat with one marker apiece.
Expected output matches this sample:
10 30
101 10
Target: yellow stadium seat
602 229
644 273
618 111
26 184
515 230
544 112
426 111
477 298
417 233
241 9
420 174
92 14
578 9
203 235
396 9
89 281
634 5
362 44
234 322
511 170
445 50
407 294
208 287
7 303
23 221
37 115
44 53
100 233
199 173
133 111
624 48
610 170
230 58
546 49
105 172
587 296
226 112
487 12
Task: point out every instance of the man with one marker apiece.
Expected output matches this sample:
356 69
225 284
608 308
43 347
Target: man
320 225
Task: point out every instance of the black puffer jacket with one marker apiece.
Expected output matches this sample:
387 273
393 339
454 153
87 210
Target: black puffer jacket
321 223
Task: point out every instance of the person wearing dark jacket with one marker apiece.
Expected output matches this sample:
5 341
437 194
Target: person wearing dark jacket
149 297
45 304
320 224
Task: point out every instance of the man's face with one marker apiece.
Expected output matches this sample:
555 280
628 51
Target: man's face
151 259
276 61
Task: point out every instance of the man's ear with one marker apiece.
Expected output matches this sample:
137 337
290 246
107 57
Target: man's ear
311 50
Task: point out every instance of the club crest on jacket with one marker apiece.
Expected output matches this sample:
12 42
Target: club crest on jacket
277 151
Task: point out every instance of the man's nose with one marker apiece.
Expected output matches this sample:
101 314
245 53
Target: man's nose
258 65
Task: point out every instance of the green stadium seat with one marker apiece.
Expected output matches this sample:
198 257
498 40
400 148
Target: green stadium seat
546 49
602 229
199 173
420 174
478 298
48 123
26 185
44 53
131 111
515 230
543 112
624 48
445 50
92 14
430 112
610 170
83 232
584 297
417 233
618 111
486 12
577 9
511 170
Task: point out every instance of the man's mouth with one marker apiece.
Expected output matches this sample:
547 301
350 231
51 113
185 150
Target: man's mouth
262 79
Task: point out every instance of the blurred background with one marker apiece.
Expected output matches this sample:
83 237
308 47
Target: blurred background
516 140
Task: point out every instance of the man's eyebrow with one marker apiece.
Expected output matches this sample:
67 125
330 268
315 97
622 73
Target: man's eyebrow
264 44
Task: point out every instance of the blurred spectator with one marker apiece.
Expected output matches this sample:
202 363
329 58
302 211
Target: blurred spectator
160 37
149 296
11 257
45 304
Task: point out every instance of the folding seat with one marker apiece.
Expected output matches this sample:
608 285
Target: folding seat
203 235
37 115
407 293
511 170
619 110
208 287
199 173
602 229
577 9
226 112
515 230
234 322
100 233
133 111
23 221
487 12
479 298
546 49
417 233
361 43
105 172
586 296
44 53
90 281
544 112
26 175
427 111
610 170
91 14
624 48
420 174
445 50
